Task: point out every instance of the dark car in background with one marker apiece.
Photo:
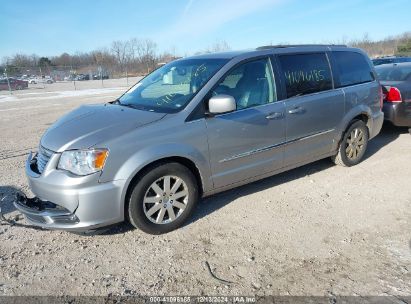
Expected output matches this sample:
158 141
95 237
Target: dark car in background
15 84
99 77
390 59
395 79
81 77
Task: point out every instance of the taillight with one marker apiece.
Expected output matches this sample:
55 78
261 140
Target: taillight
393 95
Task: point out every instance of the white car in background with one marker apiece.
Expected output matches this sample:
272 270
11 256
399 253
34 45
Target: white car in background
36 80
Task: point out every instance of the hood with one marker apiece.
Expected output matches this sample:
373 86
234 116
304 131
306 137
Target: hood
92 124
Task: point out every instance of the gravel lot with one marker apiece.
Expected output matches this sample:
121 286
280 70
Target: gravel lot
316 230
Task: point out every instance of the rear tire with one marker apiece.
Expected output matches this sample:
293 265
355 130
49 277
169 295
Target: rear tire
163 198
353 145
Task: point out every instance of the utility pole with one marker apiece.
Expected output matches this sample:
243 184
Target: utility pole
100 70
127 75
41 78
7 77
74 79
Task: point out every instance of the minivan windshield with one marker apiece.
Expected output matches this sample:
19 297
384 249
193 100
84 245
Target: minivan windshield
171 87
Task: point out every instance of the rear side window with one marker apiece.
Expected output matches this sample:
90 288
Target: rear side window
305 73
353 68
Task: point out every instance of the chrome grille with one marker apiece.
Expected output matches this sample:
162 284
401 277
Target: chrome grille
43 157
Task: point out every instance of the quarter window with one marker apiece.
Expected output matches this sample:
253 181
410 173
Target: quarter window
353 68
305 73
251 84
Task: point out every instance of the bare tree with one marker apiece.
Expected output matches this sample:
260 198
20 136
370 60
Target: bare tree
146 52
218 46
120 50
21 60
134 45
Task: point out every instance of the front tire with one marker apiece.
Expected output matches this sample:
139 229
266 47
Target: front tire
353 145
163 198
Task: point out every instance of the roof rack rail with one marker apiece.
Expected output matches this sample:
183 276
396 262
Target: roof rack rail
266 47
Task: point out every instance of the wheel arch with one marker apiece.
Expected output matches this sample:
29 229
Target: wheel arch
341 157
363 117
170 159
188 163
362 113
197 168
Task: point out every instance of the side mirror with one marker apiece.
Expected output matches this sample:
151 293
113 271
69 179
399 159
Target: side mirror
221 104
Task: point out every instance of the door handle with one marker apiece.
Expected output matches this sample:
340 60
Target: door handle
297 110
274 115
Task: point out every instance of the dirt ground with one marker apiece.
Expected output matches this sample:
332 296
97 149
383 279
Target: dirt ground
316 230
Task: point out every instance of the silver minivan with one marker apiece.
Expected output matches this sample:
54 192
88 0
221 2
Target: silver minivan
198 126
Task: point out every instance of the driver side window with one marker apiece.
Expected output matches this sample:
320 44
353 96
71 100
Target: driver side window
251 84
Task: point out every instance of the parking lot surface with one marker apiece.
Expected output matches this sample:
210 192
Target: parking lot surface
316 230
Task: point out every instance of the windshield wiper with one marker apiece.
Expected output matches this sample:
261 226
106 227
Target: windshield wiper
117 101
133 106
128 105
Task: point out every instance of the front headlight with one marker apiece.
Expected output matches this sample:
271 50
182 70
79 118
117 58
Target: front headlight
83 162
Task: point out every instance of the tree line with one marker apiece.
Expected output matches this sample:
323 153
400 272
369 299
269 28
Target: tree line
399 45
123 57
140 56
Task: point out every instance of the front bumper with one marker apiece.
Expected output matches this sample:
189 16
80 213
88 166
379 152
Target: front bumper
399 114
43 212
68 202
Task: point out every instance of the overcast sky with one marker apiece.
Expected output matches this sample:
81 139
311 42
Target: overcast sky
186 26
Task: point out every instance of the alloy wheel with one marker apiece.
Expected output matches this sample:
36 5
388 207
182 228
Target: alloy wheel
165 200
355 144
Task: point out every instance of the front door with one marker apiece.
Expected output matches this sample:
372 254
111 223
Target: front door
249 141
